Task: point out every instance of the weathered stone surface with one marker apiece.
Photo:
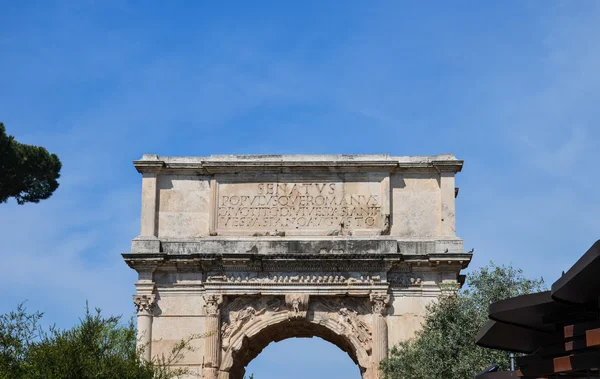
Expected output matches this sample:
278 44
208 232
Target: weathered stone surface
344 204
254 249
183 206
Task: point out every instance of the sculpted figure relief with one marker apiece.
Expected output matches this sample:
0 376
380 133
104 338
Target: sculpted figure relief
293 278
241 310
297 305
347 311
238 320
356 326
405 279
334 304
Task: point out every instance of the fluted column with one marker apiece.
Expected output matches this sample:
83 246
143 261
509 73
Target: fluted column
379 303
144 305
212 344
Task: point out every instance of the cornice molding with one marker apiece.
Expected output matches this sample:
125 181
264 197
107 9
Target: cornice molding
217 164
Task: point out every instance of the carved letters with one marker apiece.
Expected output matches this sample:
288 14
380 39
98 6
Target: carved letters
298 205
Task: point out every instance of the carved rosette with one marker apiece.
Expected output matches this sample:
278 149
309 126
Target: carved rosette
379 303
144 304
297 305
212 304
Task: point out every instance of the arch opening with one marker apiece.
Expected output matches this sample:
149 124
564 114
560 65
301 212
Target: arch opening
301 358
252 344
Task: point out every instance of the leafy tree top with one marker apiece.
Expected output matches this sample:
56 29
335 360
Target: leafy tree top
98 347
445 347
28 173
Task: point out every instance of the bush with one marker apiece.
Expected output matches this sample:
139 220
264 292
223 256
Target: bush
445 347
98 347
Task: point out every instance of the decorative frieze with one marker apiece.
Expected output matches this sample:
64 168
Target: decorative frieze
404 279
293 278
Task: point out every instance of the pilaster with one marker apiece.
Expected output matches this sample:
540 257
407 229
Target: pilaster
212 347
149 204
379 303
144 305
448 216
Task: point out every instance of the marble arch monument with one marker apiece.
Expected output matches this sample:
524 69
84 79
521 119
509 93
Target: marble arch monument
248 250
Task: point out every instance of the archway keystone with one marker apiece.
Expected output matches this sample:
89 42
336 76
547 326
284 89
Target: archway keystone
249 250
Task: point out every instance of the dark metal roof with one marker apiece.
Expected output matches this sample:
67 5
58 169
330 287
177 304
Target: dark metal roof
557 327
501 336
528 311
581 284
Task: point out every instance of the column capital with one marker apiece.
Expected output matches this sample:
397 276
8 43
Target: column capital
144 304
379 303
212 304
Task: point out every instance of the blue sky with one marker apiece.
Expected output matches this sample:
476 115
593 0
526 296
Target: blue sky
511 87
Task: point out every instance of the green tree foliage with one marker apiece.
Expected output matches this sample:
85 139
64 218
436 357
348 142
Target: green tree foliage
18 331
97 348
445 347
27 173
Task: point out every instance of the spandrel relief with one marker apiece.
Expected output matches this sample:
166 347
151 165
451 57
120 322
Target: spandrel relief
239 311
353 315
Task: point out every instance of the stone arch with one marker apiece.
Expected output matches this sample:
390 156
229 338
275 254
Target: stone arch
259 333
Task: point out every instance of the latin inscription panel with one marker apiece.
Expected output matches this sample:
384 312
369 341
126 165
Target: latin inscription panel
294 207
